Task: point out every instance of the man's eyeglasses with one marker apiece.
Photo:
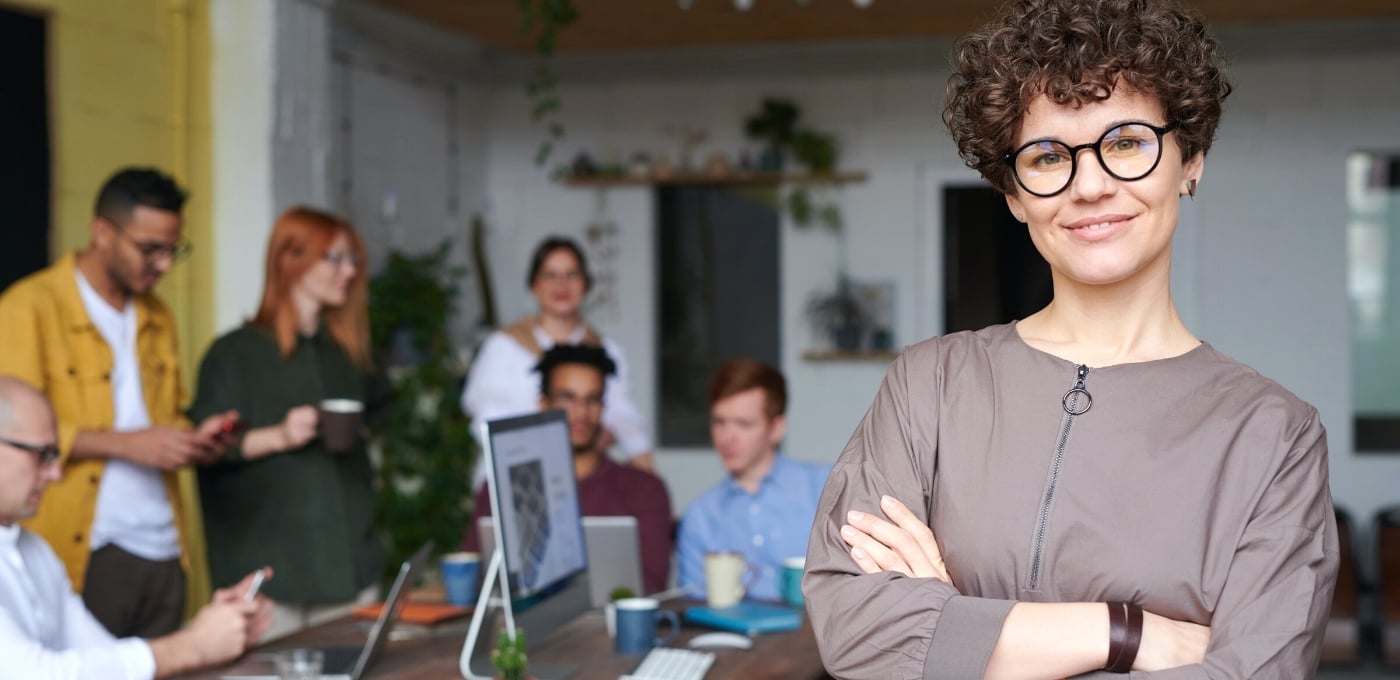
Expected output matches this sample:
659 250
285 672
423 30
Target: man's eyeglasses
566 400
47 454
1129 151
156 251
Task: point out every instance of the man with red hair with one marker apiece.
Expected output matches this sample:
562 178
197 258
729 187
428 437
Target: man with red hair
89 332
764 510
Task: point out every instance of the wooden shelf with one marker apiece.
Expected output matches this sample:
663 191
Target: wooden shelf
738 178
882 356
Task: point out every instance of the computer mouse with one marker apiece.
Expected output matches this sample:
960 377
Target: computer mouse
720 641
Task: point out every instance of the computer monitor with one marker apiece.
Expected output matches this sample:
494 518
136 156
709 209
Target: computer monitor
539 534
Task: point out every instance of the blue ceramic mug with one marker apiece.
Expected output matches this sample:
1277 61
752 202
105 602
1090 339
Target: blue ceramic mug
460 573
636 624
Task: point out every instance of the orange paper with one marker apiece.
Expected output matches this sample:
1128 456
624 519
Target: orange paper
425 613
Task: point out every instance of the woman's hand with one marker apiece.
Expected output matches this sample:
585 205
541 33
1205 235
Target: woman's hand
299 426
903 544
1167 643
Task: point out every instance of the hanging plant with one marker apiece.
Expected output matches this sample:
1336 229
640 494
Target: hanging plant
776 124
540 21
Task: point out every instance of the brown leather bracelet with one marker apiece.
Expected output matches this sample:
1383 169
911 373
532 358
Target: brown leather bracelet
1128 653
1117 633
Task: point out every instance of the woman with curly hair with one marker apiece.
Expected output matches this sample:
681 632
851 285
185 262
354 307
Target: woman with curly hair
1092 488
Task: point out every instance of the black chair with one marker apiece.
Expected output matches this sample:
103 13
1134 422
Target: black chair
1388 582
1341 642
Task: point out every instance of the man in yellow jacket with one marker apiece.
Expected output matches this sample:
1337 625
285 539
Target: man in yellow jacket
89 333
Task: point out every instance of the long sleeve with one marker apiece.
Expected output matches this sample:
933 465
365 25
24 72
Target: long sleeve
654 534
886 625
691 546
45 631
501 383
129 658
23 355
1269 620
220 387
620 413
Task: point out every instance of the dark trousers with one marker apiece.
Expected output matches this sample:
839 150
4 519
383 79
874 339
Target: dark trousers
132 596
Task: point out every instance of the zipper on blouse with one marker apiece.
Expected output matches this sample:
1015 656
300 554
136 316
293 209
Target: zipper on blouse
1076 402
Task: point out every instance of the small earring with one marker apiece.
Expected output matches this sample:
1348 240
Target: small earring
1191 188
1019 217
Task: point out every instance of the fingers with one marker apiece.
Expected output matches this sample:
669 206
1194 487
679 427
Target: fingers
905 544
898 539
919 531
860 535
261 621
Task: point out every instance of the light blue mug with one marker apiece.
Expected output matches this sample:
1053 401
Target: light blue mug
636 624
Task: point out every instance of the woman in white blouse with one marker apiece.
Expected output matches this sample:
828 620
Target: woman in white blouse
503 382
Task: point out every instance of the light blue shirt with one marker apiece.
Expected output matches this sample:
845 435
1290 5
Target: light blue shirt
766 528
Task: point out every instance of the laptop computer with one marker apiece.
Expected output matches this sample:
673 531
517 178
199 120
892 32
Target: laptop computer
350 663
614 554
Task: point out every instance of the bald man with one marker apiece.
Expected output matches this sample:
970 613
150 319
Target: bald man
45 631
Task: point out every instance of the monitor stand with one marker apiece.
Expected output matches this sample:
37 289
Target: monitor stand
539 622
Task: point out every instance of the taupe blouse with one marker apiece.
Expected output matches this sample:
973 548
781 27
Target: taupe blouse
1192 486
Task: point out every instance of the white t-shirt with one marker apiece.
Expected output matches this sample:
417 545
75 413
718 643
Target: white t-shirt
45 631
133 510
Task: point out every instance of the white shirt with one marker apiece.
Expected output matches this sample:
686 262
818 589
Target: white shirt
133 509
503 383
45 631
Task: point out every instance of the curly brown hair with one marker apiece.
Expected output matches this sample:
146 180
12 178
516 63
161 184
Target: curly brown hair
1074 52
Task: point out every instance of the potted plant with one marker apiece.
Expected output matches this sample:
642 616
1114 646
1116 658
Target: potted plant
509 655
839 316
423 449
775 123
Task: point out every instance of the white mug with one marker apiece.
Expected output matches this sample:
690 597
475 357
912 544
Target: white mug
725 573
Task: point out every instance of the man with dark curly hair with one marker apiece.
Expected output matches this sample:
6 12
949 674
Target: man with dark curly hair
1092 488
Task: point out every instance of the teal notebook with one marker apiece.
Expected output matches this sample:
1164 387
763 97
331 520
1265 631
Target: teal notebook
747 617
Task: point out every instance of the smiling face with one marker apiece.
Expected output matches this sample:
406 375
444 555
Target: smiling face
327 282
1102 230
560 284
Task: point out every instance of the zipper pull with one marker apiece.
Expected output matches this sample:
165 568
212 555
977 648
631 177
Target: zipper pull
1077 400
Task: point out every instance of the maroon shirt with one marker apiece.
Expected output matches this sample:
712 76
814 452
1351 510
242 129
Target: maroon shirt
615 490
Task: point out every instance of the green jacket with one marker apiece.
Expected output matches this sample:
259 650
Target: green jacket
307 513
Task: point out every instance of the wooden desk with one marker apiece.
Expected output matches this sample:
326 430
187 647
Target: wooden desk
583 643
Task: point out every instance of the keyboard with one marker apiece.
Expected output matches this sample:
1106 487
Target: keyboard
669 663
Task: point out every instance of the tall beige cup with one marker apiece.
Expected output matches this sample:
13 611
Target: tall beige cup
340 424
724 578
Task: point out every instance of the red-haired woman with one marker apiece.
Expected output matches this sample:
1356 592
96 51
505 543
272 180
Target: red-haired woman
277 496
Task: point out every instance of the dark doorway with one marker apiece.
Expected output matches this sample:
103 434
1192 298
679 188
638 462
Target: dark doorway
718 276
992 272
24 135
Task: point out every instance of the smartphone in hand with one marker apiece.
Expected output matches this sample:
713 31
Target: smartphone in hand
253 588
234 426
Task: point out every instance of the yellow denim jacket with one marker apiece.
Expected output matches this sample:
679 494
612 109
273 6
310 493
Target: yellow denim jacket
47 340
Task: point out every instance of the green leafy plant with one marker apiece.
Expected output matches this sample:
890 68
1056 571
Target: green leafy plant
620 593
777 124
423 450
541 21
509 655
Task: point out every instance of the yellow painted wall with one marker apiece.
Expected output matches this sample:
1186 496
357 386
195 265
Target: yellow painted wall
128 85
